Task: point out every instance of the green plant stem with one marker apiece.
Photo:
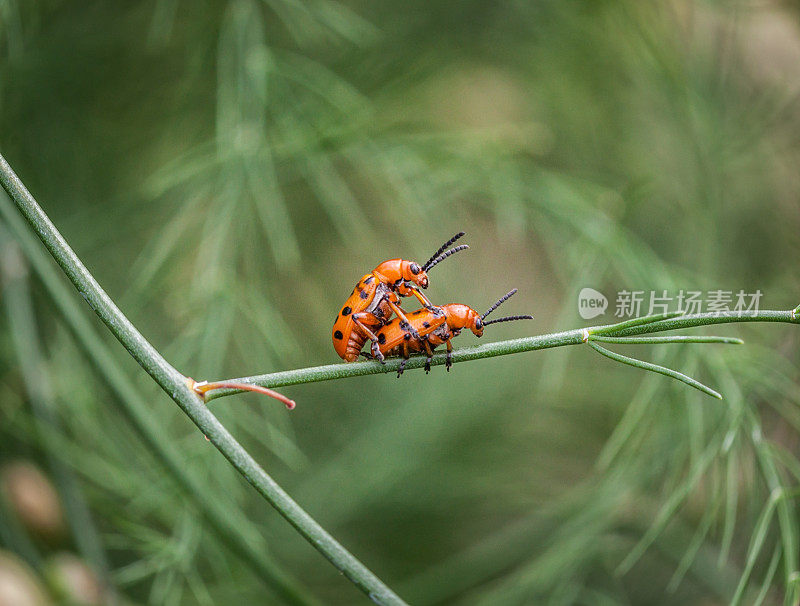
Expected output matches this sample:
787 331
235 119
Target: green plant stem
709 319
576 336
174 384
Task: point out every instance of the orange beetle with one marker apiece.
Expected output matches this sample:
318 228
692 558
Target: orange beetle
377 296
436 325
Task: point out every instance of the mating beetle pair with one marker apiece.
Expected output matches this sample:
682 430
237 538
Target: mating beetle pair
367 314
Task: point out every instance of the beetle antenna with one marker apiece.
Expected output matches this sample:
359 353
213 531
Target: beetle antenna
500 301
444 255
508 319
441 250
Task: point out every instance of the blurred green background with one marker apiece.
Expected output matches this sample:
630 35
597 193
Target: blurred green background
228 169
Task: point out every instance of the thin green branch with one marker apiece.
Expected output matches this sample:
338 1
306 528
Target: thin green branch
174 384
709 319
578 336
357 369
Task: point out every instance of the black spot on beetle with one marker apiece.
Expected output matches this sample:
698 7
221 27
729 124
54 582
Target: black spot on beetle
338 334
426 324
381 338
363 294
346 311
369 280
403 324
396 282
407 336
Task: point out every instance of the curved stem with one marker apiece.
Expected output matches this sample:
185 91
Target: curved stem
174 384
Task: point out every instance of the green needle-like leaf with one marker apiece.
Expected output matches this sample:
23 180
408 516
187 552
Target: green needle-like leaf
656 368
757 542
671 339
637 322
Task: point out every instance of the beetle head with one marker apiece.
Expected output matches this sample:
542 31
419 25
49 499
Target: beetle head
412 272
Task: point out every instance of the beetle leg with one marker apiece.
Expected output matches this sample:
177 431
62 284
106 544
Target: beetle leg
410 329
449 360
376 352
402 366
423 300
429 351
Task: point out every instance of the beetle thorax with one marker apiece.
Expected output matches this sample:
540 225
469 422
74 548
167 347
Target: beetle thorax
397 272
390 272
460 316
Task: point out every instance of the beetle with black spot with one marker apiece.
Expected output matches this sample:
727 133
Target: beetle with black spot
376 297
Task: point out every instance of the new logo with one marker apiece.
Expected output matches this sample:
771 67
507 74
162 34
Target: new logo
591 303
